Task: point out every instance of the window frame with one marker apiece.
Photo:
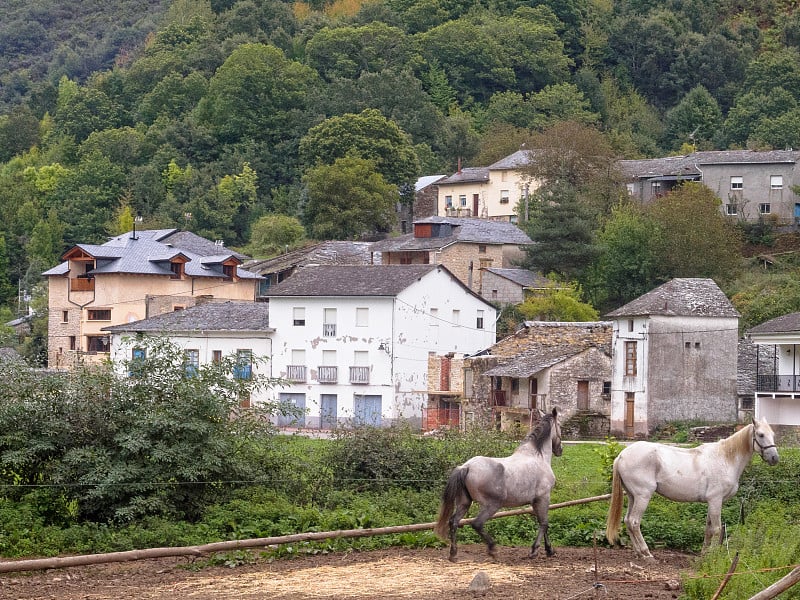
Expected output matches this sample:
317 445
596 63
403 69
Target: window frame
776 182
298 316
630 358
737 183
98 314
765 208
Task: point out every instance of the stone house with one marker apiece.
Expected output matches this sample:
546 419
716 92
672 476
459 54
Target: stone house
134 276
512 286
541 366
674 358
751 184
465 246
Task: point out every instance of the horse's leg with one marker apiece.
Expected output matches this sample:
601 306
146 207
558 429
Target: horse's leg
541 506
486 513
713 522
462 506
633 521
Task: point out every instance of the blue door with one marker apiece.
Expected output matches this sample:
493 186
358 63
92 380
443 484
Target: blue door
297 418
797 212
367 410
327 411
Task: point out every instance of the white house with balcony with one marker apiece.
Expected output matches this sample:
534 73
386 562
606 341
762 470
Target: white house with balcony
777 394
353 341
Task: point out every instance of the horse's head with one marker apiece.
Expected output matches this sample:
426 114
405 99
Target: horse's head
764 441
555 435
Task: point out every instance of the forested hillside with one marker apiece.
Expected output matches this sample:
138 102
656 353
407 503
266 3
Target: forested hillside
244 120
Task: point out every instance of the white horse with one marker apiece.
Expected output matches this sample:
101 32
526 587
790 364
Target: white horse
525 477
708 473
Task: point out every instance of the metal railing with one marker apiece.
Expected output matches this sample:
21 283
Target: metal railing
778 383
296 373
327 374
329 329
359 374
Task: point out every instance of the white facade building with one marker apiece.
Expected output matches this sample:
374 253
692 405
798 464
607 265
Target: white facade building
353 341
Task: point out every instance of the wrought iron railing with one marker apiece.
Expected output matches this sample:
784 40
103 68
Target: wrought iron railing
778 383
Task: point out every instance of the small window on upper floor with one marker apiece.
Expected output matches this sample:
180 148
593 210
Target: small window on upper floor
737 183
630 324
504 196
776 182
65 316
479 320
177 269
362 317
481 248
216 356
191 362
299 316
99 314
229 271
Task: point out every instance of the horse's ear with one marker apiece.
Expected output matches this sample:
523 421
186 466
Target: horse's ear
555 412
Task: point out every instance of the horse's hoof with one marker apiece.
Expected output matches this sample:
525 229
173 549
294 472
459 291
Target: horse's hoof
452 559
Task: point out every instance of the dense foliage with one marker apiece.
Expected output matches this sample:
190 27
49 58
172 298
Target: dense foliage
211 115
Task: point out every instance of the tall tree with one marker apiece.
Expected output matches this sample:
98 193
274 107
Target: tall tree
348 199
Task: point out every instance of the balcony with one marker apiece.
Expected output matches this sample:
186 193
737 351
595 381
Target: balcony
359 374
296 373
329 330
82 284
327 374
778 383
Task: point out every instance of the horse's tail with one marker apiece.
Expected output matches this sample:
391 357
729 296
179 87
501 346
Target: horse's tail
615 508
456 485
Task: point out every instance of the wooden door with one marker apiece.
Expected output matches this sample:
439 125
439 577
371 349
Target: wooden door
629 417
583 395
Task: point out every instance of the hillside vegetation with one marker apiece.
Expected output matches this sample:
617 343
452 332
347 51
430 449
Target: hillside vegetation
227 117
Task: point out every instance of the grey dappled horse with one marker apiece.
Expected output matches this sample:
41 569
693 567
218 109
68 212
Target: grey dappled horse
708 473
525 477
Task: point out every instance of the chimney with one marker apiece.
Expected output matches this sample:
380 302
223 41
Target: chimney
459 166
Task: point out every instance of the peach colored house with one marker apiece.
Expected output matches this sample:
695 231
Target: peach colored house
134 276
492 192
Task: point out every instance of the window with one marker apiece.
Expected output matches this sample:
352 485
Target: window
244 364
606 388
737 183
65 316
764 208
359 372
504 196
296 371
730 209
479 320
329 322
456 316
98 314
216 356
494 294
481 248
229 271
630 358
656 187
434 317
299 316
630 324
136 366
362 317
97 343
328 373
177 307
448 202
177 270
72 342
462 200
191 362
776 182
515 386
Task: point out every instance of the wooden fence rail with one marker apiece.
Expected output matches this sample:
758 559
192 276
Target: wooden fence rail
60 562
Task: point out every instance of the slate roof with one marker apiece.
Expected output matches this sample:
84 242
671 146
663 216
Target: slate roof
784 324
351 280
468 175
523 277
468 230
323 253
689 166
517 160
149 252
209 316
535 359
693 297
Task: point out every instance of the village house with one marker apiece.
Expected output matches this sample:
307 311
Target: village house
465 246
133 276
541 366
352 341
492 192
513 286
777 372
207 332
751 184
674 358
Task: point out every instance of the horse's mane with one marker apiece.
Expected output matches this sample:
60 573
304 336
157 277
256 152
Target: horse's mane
540 434
738 444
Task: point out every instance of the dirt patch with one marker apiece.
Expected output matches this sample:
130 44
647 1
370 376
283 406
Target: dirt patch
396 573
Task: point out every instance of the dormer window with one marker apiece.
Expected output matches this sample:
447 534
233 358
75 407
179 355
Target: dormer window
177 269
229 270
